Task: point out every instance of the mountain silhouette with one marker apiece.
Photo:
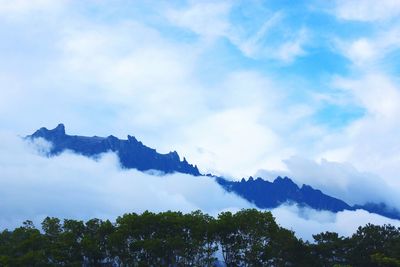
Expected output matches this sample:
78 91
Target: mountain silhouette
264 194
131 152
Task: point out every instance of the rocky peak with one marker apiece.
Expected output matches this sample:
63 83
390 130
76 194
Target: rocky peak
45 133
174 155
60 129
132 153
287 182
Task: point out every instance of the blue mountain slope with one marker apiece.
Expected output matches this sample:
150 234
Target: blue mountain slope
381 209
131 152
264 194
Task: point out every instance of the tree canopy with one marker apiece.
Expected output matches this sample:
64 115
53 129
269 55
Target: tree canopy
246 238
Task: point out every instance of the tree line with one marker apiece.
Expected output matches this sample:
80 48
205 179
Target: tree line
246 238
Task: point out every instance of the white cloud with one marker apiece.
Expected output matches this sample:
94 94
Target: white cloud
207 19
241 131
251 45
123 76
211 21
235 141
291 49
259 45
134 68
343 181
102 73
366 10
358 164
371 142
368 144
127 78
369 52
16 8
375 92
73 186
306 222
361 52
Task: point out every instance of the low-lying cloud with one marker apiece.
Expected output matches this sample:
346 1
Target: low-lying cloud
73 186
307 222
340 180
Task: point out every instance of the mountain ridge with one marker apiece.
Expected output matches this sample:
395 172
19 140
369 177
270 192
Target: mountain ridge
264 194
131 152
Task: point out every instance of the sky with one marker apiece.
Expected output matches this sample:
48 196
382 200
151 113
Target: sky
308 89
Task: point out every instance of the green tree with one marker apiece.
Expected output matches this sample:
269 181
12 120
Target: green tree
381 260
287 250
246 237
200 239
373 240
330 249
28 246
123 240
71 237
54 246
95 241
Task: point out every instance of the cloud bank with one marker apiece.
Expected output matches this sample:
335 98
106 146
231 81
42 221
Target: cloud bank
340 180
306 222
72 186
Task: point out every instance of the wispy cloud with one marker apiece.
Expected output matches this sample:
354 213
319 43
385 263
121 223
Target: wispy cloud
211 21
367 10
207 19
19 9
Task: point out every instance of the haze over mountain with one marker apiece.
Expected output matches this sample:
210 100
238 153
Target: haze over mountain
264 194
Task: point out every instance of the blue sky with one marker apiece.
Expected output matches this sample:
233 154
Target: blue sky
237 87
307 89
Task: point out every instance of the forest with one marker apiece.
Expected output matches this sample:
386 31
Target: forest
246 238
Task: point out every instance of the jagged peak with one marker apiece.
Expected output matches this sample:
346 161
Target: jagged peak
306 186
279 179
60 128
132 139
285 181
174 155
131 152
251 179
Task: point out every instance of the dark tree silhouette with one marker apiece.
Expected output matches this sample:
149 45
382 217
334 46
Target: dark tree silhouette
245 238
